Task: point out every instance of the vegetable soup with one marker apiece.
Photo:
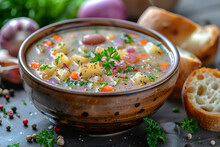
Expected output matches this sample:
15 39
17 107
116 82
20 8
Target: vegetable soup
99 59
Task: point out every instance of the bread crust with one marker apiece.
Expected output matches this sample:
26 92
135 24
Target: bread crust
175 27
187 66
207 120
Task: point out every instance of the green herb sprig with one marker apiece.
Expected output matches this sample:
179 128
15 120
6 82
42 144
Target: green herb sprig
57 60
103 85
13 145
154 132
191 125
46 138
109 53
127 38
129 68
43 67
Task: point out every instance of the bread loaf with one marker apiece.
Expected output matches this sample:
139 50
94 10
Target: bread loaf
201 98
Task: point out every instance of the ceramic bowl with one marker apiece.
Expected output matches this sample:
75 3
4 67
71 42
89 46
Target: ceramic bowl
94 112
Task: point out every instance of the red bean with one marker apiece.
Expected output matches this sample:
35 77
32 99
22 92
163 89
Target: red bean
93 39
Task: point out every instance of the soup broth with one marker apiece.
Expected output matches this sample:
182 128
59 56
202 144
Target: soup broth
99 59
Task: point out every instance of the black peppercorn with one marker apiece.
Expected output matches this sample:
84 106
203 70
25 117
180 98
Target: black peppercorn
14 109
187 145
12 92
34 126
8 128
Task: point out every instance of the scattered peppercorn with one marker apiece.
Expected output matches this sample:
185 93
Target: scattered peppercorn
10 114
12 92
0 122
188 136
5 92
7 97
212 142
14 109
1 107
56 129
28 138
25 122
0 91
34 136
60 137
34 126
187 145
60 142
8 128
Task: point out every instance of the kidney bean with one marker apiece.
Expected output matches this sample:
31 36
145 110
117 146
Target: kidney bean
93 39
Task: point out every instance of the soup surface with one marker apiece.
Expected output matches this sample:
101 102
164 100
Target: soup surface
99 59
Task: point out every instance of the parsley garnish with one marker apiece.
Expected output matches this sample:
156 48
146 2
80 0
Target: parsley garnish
57 59
197 142
103 85
46 138
108 73
117 82
127 38
13 145
81 83
24 102
152 77
154 132
157 69
43 67
110 53
129 68
176 110
191 125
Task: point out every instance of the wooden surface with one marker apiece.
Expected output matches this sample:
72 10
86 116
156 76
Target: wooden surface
202 12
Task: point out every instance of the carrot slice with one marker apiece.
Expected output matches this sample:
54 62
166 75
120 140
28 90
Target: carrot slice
137 59
143 42
143 56
107 88
35 65
48 43
164 65
75 75
54 53
57 37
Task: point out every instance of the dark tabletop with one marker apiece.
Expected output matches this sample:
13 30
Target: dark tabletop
202 12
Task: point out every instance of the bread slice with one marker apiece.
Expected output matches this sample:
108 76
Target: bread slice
188 64
182 32
175 27
201 98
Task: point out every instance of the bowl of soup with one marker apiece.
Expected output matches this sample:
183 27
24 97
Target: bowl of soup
98 75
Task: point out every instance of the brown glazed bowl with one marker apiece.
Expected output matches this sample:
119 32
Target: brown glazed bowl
94 112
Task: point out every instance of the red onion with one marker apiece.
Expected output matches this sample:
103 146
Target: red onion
115 69
15 32
64 65
130 50
131 59
104 58
119 43
103 8
53 81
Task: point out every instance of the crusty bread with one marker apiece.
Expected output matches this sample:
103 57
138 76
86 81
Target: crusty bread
201 41
188 64
175 27
201 98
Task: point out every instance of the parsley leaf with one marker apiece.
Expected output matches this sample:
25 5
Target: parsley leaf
110 53
157 70
117 82
13 145
154 132
46 138
108 73
103 85
152 77
129 68
57 59
127 38
191 125
43 67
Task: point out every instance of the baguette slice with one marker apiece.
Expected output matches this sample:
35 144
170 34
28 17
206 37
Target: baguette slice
201 98
201 41
175 27
188 64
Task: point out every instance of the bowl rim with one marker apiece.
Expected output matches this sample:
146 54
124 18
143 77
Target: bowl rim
23 50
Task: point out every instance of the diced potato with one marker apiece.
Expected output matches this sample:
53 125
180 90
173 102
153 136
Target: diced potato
141 78
110 36
79 59
41 48
61 47
90 69
152 49
49 71
62 74
60 59
122 53
83 49
97 79
99 49
65 59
